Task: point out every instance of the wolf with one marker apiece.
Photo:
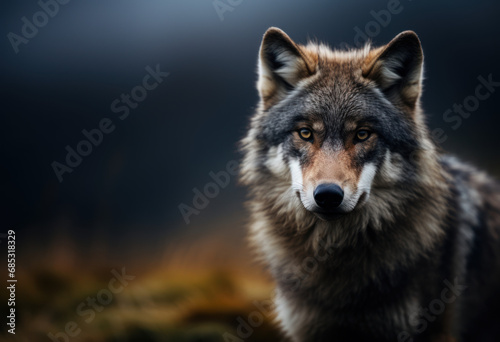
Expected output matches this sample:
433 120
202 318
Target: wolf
370 231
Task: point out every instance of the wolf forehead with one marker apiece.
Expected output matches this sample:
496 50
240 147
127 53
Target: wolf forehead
321 102
334 104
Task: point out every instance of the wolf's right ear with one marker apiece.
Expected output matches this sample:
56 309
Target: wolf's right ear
282 64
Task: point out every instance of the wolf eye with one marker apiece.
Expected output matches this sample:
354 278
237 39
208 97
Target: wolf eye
305 134
362 135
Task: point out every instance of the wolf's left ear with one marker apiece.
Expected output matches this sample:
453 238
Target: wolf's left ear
397 69
282 64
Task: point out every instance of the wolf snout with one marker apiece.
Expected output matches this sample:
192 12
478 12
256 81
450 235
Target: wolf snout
328 196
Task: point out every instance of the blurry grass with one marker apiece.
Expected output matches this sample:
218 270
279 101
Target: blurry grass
197 293
166 306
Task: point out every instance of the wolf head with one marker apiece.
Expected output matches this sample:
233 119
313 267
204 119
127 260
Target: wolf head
337 131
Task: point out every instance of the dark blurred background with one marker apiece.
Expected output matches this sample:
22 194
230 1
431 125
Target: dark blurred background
120 206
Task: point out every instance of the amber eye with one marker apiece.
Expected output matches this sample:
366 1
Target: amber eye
305 134
362 135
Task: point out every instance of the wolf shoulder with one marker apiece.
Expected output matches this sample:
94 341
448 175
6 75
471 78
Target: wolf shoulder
475 207
473 186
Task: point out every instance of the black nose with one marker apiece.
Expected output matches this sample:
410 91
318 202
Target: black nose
328 196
